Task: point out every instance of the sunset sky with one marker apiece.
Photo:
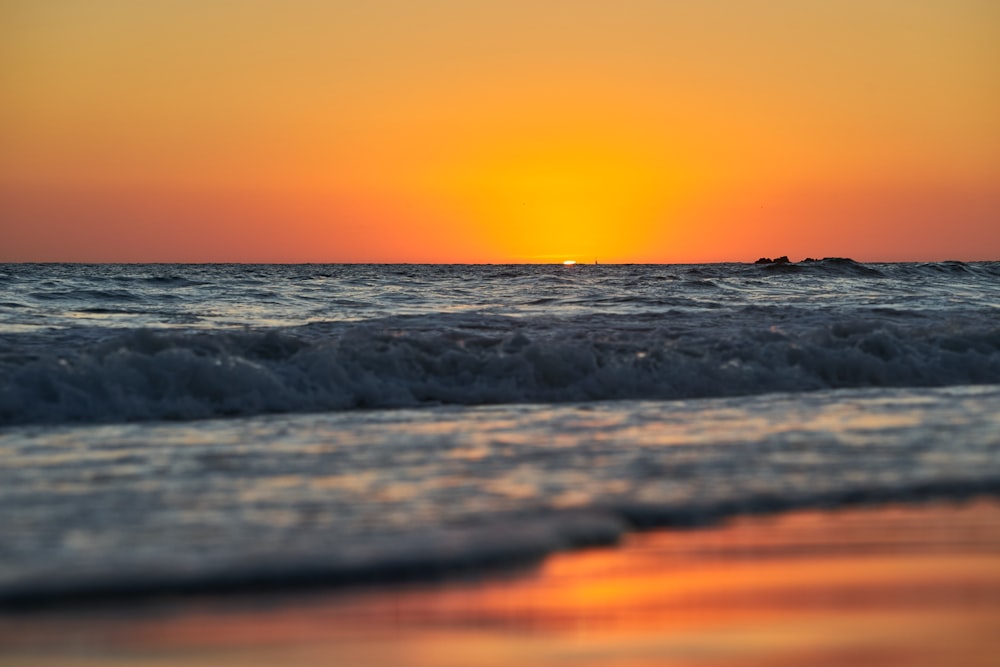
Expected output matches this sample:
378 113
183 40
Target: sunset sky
499 131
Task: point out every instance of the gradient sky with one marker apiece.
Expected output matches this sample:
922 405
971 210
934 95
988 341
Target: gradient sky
499 131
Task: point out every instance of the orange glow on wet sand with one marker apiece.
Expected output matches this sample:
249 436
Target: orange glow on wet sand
916 585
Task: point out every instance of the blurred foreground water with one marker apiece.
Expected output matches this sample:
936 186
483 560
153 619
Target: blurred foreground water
913 585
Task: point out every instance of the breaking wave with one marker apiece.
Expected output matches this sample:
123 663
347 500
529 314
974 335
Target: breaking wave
475 359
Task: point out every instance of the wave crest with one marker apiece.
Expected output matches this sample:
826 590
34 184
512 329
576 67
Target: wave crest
152 375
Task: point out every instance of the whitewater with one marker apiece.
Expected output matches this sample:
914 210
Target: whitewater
214 427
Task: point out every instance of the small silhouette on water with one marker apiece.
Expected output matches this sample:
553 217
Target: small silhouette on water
808 260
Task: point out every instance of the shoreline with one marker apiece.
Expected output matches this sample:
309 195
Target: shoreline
915 583
585 528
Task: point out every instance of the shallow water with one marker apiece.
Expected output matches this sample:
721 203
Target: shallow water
913 585
220 427
132 509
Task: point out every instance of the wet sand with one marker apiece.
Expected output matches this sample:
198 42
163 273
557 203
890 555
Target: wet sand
894 585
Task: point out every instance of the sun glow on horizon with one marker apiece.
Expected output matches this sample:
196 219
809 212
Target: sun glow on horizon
549 197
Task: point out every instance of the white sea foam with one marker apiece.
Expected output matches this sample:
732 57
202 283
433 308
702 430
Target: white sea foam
474 359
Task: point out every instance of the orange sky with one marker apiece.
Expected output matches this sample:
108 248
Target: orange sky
498 131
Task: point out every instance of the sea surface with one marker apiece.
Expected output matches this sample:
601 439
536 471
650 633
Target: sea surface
172 428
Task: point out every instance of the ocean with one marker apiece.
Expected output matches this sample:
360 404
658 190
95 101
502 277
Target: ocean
199 428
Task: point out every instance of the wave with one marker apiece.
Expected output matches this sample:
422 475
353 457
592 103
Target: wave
445 553
94 512
828 266
470 360
99 295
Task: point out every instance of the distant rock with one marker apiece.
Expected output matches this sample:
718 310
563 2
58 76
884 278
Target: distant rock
831 260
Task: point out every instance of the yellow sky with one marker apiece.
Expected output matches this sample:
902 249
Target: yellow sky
401 130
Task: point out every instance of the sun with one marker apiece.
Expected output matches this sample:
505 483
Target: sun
569 262
546 200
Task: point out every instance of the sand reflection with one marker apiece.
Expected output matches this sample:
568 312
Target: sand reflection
917 585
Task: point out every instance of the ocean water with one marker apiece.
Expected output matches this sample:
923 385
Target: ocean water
213 427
